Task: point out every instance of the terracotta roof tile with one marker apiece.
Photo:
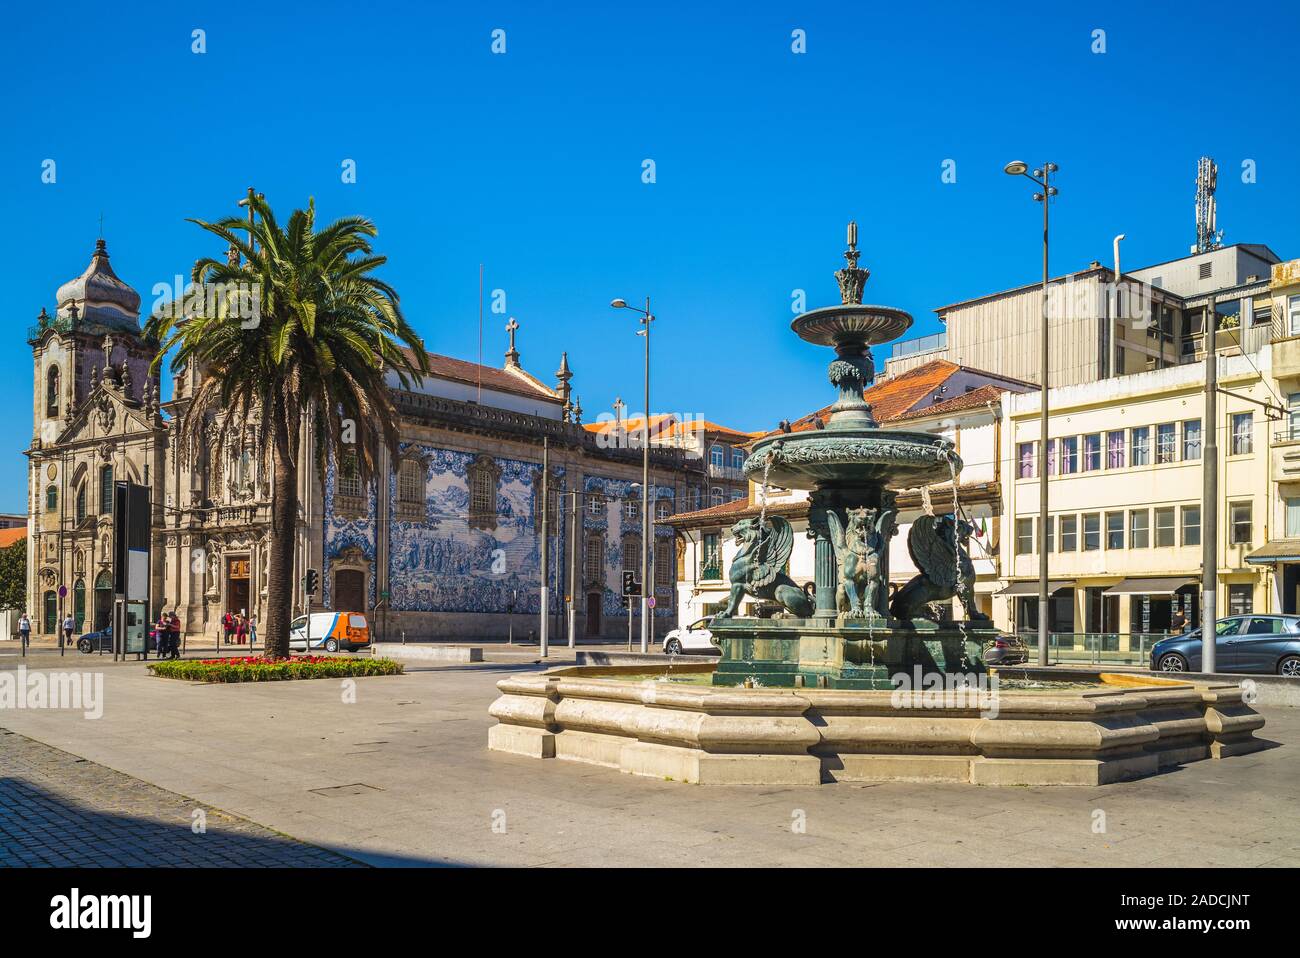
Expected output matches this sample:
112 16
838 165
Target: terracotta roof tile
519 383
988 393
9 536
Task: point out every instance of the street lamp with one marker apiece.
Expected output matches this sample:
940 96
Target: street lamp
1042 177
646 319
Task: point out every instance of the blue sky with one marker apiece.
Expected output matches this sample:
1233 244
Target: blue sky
530 162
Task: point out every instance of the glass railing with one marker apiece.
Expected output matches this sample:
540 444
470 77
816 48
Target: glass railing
1095 648
924 344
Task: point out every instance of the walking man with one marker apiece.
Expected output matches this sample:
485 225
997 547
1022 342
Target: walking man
69 627
24 630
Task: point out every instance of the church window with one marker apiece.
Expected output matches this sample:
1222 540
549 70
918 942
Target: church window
81 503
595 558
349 477
52 391
51 499
483 476
106 490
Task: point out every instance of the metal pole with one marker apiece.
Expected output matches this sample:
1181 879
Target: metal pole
1044 596
1210 493
544 615
573 568
645 494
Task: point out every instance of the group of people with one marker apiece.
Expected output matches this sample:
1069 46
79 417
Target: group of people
169 635
239 628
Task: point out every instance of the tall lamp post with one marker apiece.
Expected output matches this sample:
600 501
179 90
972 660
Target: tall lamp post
646 319
1041 177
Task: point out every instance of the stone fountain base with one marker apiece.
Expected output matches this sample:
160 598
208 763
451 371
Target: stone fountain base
843 653
1123 728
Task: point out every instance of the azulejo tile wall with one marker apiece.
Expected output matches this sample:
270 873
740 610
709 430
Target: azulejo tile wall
441 564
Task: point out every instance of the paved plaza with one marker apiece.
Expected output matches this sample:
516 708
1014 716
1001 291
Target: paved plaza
402 776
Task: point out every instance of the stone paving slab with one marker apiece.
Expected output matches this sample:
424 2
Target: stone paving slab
271 753
60 810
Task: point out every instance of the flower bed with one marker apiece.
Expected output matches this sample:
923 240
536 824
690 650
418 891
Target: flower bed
259 668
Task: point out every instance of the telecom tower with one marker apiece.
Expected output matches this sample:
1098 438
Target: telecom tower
1207 177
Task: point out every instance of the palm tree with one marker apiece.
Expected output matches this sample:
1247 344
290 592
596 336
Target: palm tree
299 336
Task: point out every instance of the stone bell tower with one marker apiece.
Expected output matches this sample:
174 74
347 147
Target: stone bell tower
95 420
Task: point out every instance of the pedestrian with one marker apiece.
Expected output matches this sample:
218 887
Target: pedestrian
69 627
174 635
228 625
1177 623
24 629
252 630
241 629
160 636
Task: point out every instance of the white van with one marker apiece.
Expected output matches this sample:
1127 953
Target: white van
330 631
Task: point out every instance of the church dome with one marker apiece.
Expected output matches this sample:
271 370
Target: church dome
100 296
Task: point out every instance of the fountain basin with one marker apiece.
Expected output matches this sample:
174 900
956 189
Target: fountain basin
853 457
1123 727
851 324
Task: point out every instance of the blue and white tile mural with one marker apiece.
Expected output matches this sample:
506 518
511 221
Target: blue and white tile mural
441 564
343 532
610 519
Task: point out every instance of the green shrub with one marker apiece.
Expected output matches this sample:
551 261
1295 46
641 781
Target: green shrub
260 669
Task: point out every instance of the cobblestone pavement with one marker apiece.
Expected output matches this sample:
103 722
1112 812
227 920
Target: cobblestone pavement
60 810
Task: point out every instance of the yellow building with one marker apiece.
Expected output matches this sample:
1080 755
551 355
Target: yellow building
1279 557
1124 459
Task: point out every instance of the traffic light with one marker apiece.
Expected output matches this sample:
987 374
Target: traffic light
630 586
312 580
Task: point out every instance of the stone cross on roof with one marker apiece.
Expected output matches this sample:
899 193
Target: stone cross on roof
512 354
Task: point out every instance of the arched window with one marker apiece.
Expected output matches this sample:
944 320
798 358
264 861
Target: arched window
51 498
715 496
106 490
349 476
663 508
483 476
81 502
410 482
52 391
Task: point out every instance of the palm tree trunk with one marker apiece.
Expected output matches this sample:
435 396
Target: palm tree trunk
284 513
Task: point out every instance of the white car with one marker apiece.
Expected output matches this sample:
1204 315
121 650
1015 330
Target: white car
692 639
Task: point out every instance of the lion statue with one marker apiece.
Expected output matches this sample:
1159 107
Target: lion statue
756 569
940 548
859 550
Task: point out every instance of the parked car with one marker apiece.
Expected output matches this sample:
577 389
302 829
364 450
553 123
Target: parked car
1005 650
693 639
1268 644
330 631
102 641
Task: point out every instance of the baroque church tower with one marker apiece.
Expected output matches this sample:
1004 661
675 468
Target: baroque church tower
95 420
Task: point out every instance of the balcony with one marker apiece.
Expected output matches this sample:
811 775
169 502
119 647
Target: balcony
923 344
1286 358
1286 453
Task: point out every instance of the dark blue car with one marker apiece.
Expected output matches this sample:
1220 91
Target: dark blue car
102 641
1260 644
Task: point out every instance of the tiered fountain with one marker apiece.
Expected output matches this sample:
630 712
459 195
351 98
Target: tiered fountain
827 691
854 635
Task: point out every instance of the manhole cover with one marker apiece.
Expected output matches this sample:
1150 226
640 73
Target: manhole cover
338 791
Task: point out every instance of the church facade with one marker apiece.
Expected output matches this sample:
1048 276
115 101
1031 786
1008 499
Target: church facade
447 544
